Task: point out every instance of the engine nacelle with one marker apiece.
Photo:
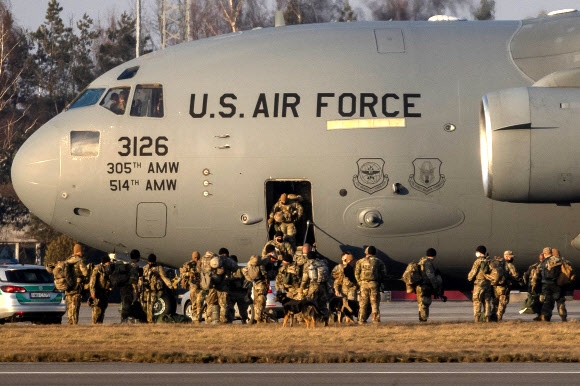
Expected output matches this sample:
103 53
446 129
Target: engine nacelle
530 145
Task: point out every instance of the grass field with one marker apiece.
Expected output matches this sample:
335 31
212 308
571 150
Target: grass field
271 343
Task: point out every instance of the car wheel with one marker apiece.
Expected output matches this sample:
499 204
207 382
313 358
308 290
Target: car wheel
188 310
164 305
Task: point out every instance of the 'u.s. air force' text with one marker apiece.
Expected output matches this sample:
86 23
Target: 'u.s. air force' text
287 105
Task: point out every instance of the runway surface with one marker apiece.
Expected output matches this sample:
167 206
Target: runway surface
288 374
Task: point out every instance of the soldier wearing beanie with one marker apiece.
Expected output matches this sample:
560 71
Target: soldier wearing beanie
552 293
100 287
482 306
282 247
370 273
431 284
190 280
130 291
73 296
154 279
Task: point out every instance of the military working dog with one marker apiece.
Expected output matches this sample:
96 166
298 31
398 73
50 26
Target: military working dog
339 310
306 308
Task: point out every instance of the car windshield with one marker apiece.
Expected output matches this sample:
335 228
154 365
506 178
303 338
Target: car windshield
28 276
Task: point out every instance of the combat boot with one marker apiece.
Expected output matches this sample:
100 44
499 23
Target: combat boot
544 318
564 319
537 318
375 317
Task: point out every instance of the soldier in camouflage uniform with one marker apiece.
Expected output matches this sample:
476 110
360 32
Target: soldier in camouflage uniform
344 281
370 273
221 277
532 278
100 287
481 285
130 291
190 280
288 278
502 292
239 293
73 297
430 284
153 280
316 283
550 269
255 273
283 248
284 215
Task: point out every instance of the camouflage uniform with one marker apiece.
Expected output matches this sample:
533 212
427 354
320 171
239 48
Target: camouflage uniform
282 249
153 279
239 295
190 279
369 272
256 273
501 292
130 291
100 287
550 269
344 280
73 297
481 289
221 279
314 290
430 285
206 293
284 215
288 280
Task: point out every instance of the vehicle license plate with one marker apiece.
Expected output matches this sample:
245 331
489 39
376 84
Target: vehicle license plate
39 295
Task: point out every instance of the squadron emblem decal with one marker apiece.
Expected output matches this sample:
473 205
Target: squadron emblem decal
427 177
370 177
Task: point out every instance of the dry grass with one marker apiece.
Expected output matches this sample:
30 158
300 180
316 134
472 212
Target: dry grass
388 342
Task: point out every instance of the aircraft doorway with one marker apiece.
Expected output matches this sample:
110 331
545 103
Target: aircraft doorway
298 203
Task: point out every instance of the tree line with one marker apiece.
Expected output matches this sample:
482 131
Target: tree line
42 71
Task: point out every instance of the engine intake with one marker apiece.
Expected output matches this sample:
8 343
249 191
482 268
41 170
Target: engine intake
530 145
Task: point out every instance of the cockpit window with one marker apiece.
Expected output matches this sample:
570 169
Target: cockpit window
148 101
88 97
116 100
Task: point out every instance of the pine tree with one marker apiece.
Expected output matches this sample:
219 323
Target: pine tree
120 43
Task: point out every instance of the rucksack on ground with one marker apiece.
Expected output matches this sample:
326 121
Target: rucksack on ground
64 276
496 275
412 276
567 274
120 274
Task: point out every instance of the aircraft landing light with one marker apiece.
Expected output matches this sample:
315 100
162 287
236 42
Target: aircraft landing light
379 123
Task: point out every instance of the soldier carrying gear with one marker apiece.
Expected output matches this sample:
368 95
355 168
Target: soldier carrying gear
344 281
256 273
100 287
284 215
73 296
431 284
370 273
239 293
130 291
501 286
288 278
282 247
190 280
550 270
481 285
154 279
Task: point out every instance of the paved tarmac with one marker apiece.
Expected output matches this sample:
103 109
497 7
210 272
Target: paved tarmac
289 374
399 311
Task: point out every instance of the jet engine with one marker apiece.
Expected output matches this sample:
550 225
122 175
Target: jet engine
530 144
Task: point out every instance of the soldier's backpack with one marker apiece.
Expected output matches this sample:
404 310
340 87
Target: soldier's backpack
153 278
64 276
318 271
496 275
412 275
252 272
367 272
205 269
120 274
567 274
187 274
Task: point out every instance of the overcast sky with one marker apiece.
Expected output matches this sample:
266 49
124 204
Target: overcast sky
31 13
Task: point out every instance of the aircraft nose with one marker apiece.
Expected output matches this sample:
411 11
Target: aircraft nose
35 174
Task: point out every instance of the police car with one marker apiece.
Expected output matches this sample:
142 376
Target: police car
27 293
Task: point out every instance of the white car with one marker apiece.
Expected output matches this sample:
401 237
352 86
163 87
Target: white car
273 308
27 293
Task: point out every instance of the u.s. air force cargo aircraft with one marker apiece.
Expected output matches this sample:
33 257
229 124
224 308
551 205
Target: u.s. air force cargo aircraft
385 130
